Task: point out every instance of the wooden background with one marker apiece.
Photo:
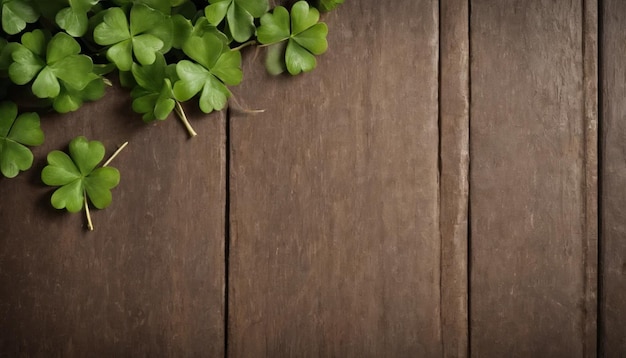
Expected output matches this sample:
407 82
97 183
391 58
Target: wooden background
448 183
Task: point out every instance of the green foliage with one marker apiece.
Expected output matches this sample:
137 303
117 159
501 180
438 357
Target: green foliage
148 32
16 132
304 34
153 94
73 19
328 5
165 51
239 14
52 65
78 178
215 67
16 14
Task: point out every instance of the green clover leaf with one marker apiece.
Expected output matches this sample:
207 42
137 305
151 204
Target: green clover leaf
62 62
148 32
73 19
16 132
16 14
70 98
215 67
6 56
78 178
305 36
328 5
153 94
239 14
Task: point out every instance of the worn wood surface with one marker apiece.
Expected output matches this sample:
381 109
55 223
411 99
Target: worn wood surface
149 280
531 172
454 166
613 182
335 242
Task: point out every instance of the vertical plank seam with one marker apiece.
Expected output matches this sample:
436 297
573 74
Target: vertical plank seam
590 259
469 178
227 228
600 104
439 183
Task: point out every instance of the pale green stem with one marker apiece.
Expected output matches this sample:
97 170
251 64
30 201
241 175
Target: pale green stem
244 45
181 114
115 154
89 223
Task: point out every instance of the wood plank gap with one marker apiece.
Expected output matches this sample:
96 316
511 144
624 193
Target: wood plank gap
227 229
590 248
454 174
600 103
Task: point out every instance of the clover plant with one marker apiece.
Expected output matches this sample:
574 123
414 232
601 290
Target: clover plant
62 53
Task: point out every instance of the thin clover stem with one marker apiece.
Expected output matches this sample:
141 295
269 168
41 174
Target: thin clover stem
181 114
115 154
89 222
244 45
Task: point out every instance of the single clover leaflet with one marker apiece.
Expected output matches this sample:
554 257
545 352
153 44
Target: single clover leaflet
148 32
78 178
215 67
58 61
16 14
16 132
73 19
239 14
305 37
328 5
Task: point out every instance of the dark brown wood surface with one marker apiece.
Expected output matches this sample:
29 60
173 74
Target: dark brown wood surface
454 166
613 201
531 191
149 280
335 240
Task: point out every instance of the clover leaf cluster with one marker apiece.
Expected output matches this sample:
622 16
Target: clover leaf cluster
62 53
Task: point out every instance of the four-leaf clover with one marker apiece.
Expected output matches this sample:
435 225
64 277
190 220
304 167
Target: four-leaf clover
78 178
16 132
305 36
216 66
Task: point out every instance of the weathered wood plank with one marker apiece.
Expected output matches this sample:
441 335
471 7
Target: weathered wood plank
454 157
149 280
335 246
613 203
531 191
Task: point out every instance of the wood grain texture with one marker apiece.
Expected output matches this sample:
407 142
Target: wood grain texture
454 164
335 246
149 280
531 234
613 182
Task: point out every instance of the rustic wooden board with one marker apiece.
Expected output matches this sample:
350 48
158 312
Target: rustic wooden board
149 280
532 190
454 166
335 241
613 202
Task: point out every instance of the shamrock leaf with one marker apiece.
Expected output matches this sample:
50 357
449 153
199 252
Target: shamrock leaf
215 67
70 98
148 32
305 37
6 53
62 62
239 14
328 5
153 94
15 15
78 178
16 132
73 19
